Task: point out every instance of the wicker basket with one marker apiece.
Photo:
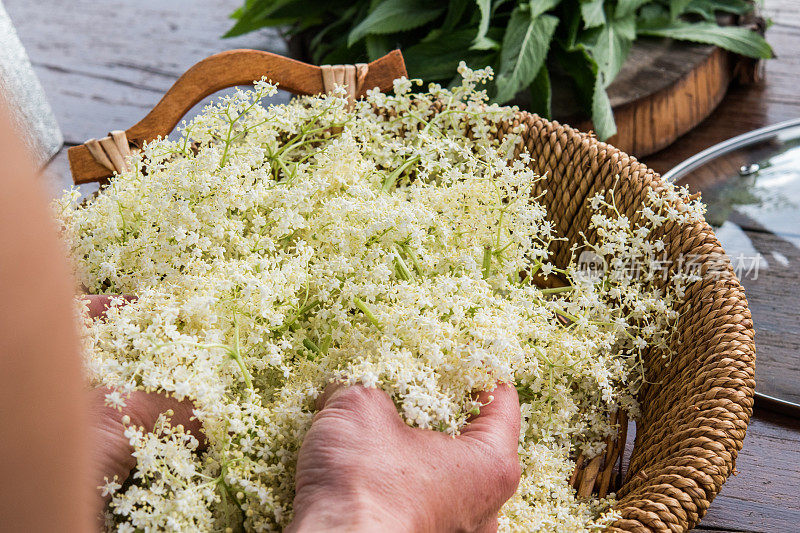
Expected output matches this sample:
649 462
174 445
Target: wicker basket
694 415
694 412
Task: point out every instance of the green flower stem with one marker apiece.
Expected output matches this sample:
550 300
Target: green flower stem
402 269
558 290
391 179
300 314
566 315
311 346
487 261
367 312
326 343
234 353
289 173
237 355
412 256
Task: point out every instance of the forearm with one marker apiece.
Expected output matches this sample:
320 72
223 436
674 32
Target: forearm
43 445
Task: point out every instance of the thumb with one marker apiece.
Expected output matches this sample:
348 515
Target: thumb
498 423
363 403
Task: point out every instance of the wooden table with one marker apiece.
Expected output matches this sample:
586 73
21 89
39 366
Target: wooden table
105 64
765 495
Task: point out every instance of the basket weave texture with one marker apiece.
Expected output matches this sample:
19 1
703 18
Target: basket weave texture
694 410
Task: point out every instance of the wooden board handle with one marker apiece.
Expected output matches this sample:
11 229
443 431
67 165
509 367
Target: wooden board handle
220 71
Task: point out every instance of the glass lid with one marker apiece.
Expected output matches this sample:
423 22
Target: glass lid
751 185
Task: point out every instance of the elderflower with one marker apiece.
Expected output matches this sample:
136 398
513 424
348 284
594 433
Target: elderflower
276 249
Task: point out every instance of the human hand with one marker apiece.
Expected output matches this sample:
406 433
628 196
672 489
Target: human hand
111 451
362 468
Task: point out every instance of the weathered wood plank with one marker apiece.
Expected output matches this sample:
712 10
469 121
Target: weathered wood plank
706 530
771 286
763 497
104 65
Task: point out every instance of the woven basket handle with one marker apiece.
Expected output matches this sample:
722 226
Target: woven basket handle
96 160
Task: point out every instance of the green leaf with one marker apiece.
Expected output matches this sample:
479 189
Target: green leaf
524 50
578 65
541 94
455 12
542 6
651 12
738 40
497 4
602 114
377 46
437 60
485 9
592 13
708 8
590 84
331 40
572 22
336 55
331 36
245 25
484 43
610 45
628 7
392 16
294 10
255 15
677 7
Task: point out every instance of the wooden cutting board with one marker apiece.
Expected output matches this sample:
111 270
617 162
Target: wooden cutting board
665 88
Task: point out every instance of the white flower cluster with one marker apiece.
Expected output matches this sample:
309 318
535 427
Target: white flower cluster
275 249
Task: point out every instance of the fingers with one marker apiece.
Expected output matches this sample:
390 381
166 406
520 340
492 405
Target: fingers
99 303
111 451
355 398
152 405
494 434
364 406
144 408
498 423
327 394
